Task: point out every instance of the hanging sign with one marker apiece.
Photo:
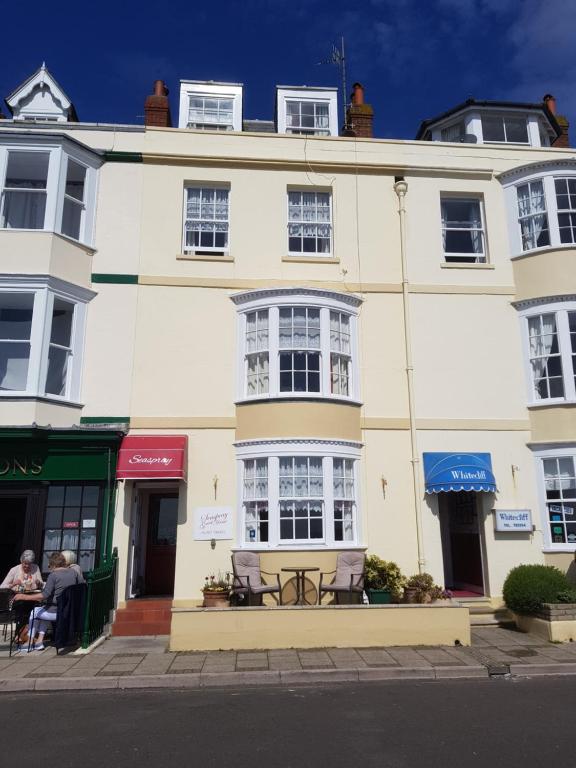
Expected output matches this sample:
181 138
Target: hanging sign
513 520
213 523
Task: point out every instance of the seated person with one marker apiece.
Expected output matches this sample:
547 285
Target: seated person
26 576
59 579
70 558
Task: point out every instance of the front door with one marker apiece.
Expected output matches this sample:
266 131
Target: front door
161 543
12 529
463 560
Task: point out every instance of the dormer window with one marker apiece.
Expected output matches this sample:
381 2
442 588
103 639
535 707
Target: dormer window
208 106
507 129
307 111
453 132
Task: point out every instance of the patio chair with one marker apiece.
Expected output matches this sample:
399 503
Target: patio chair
5 612
70 612
348 576
248 578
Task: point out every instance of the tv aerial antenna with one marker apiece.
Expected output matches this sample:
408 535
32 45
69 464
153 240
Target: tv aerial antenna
338 58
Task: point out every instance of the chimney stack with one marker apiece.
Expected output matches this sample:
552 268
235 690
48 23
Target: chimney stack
563 140
359 116
157 107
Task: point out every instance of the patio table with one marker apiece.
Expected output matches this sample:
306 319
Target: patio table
300 579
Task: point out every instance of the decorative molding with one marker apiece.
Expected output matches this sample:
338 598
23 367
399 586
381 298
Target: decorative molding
275 293
524 304
568 163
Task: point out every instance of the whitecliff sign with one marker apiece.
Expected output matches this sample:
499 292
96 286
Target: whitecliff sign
213 523
513 520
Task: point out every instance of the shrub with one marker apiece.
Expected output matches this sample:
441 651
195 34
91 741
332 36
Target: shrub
528 586
383 574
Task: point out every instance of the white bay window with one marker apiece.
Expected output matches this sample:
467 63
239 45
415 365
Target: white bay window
48 187
41 334
550 342
297 343
298 494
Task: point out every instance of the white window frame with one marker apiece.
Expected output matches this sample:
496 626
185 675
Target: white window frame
327 96
466 258
560 310
207 89
508 116
273 300
45 290
310 254
273 450
205 185
59 151
547 173
554 452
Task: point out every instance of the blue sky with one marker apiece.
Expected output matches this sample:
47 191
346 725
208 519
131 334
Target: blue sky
416 58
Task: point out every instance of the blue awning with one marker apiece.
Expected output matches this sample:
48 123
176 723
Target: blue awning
458 472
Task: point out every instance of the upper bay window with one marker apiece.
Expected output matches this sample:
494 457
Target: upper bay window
298 342
48 188
505 129
206 219
307 111
41 335
299 494
551 352
542 206
463 236
309 223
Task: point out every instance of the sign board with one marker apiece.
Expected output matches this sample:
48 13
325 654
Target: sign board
213 523
513 520
151 457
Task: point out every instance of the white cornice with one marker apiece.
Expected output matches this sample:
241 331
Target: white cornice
246 297
568 163
543 301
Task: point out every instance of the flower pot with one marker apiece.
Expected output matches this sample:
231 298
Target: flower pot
216 599
379 596
410 595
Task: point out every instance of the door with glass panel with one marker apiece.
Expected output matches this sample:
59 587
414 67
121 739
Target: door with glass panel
161 543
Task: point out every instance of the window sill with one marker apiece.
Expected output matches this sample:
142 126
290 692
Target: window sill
551 403
194 257
19 396
465 265
300 259
295 548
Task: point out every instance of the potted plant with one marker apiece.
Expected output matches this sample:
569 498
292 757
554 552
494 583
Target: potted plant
421 589
383 580
216 591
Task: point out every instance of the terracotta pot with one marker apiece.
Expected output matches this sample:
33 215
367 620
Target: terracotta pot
214 599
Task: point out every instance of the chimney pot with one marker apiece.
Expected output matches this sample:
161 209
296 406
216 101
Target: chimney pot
160 88
550 102
357 94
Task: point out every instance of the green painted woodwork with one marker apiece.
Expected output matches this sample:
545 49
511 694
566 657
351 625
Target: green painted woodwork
105 420
100 277
122 157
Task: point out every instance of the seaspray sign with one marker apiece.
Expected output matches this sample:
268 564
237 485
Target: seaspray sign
513 520
213 523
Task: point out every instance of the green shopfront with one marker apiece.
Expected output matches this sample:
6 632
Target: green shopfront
57 492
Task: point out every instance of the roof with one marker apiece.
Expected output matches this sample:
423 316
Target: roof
42 75
540 107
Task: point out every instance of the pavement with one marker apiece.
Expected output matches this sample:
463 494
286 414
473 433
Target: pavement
146 663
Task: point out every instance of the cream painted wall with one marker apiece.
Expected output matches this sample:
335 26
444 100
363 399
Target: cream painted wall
467 357
109 345
45 253
44 412
546 273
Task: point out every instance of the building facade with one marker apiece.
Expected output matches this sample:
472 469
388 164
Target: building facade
314 342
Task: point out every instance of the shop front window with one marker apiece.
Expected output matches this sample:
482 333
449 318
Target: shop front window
72 522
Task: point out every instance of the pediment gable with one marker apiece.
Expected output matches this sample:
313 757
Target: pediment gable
40 97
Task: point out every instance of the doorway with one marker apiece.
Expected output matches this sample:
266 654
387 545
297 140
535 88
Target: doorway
161 544
12 531
462 543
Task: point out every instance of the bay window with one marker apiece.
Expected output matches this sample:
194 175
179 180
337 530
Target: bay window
297 342
296 494
550 334
532 215
48 187
566 203
41 332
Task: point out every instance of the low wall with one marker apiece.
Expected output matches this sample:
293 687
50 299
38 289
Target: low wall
330 626
554 622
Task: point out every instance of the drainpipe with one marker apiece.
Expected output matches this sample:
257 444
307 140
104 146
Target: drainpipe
401 187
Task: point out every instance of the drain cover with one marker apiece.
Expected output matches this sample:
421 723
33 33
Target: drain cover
521 652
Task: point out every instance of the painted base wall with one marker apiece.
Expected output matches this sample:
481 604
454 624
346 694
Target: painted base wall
343 626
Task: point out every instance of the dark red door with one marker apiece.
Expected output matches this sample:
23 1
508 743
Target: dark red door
161 543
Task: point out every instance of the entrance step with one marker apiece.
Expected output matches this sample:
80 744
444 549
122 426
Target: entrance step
143 616
483 613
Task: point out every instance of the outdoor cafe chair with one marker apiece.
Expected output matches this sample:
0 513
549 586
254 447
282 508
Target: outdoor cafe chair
5 612
248 578
348 576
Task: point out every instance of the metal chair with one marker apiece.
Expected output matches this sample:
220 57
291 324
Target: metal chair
5 611
248 578
348 576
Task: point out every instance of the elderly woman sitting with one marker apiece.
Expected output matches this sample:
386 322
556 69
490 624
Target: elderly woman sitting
60 577
24 577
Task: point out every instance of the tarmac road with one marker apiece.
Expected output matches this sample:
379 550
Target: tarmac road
447 724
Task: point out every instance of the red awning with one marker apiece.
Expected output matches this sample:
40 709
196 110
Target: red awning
148 457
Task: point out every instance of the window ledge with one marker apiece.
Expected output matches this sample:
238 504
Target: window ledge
311 259
551 403
545 249
465 265
193 257
571 548
299 398
88 248
41 398
303 548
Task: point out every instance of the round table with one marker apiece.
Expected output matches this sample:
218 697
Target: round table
300 578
